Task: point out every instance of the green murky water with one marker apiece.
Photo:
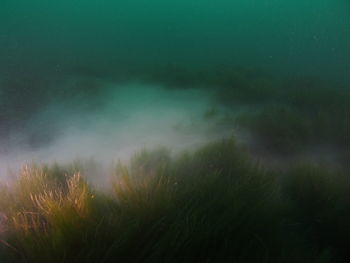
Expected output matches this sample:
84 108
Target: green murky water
66 68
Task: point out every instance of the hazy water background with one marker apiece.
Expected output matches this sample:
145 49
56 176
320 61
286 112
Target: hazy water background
52 52
294 36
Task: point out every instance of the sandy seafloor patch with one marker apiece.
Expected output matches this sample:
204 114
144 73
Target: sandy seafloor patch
132 117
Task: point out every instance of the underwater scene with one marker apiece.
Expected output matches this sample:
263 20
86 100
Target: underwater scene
174 131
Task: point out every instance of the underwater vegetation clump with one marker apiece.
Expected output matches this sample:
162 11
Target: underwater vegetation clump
288 115
211 205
